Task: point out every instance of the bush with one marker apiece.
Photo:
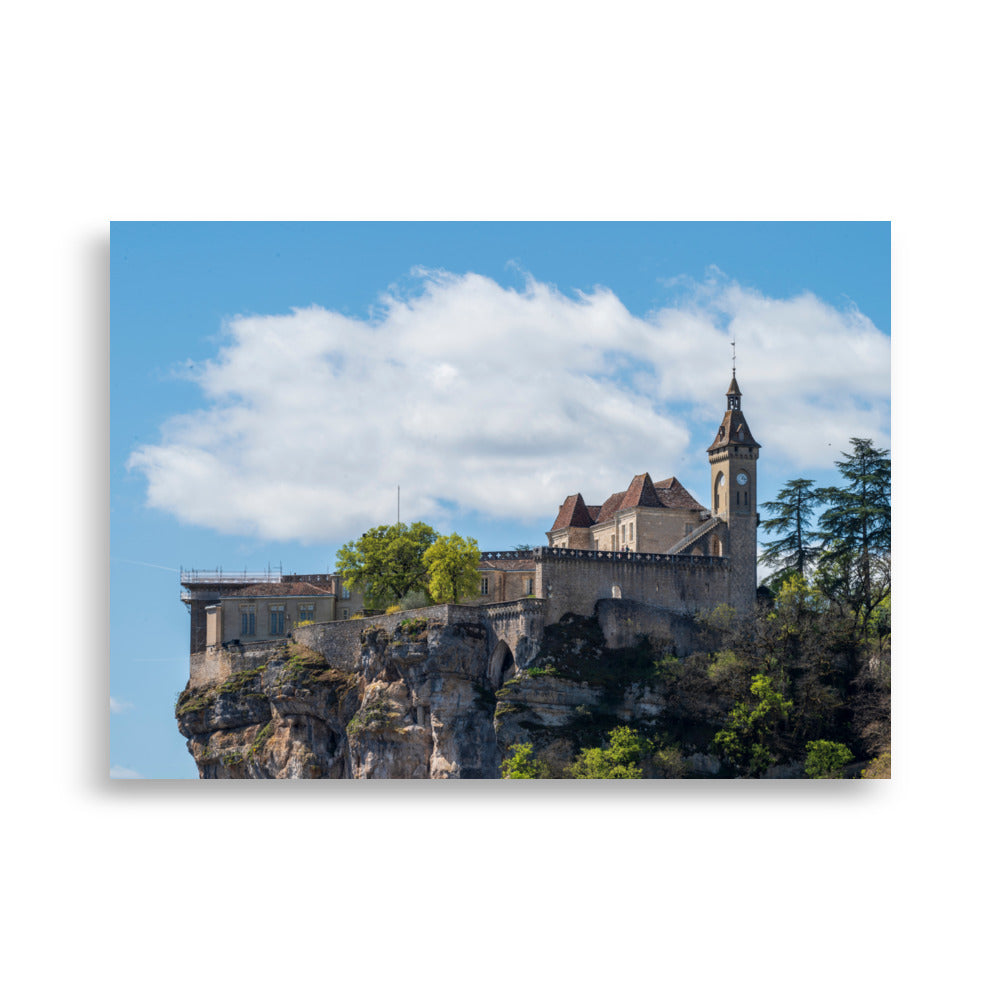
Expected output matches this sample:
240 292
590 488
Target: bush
620 759
521 763
826 759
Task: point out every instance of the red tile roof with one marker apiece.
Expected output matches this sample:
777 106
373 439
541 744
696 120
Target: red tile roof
641 493
297 589
573 513
674 496
609 507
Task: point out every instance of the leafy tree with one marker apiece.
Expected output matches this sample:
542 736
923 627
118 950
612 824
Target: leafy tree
621 759
452 566
521 763
748 738
387 561
856 530
825 759
795 546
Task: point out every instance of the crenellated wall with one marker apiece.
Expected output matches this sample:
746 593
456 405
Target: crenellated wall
572 580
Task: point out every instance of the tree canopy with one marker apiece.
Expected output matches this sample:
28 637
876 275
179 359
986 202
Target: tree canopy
620 759
795 547
856 530
387 561
395 563
747 740
452 566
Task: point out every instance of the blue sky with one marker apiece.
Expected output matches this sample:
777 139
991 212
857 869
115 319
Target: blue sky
272 383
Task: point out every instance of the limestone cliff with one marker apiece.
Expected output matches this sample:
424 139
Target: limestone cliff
415 702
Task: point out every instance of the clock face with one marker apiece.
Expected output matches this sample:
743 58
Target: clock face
741 478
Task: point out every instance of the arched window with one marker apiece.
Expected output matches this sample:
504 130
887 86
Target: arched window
720 482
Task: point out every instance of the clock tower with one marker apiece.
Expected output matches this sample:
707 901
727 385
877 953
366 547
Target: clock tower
732 459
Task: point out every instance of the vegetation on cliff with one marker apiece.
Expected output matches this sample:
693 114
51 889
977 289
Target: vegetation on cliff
410 565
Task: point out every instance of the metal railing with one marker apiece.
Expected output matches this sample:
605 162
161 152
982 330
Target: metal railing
221 576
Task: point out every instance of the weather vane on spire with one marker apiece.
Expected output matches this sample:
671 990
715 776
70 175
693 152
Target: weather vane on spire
733 342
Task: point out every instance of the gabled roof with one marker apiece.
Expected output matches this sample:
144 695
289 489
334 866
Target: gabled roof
674 496
610 507
641 493
573 513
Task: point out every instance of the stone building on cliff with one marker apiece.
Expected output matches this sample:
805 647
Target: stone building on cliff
651 544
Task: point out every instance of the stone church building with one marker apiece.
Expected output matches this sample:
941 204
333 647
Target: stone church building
652 519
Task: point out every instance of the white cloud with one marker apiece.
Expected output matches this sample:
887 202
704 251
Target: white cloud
123 772
117 707
499 401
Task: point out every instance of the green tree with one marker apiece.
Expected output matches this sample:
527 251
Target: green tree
856 530
826 759
621 759
795 547
452 566
387 561
748 738
521 763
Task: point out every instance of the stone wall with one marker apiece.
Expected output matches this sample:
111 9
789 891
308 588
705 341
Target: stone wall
340 642
623 622
213 666
571 580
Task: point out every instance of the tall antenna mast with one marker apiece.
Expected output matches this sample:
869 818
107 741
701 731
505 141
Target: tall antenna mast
397 506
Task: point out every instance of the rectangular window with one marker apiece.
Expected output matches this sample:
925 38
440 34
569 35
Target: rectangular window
277 619
484 586
307 613
344 614
248 621
345 594
631 531
529 585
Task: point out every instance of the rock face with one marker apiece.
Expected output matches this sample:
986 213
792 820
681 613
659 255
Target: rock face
417 703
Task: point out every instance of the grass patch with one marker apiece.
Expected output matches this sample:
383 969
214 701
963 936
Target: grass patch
375 717
241 681
193 700
260 739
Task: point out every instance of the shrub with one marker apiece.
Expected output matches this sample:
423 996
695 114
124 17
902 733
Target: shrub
521 763
826 759
620 760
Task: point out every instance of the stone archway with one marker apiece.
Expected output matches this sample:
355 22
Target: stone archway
501 665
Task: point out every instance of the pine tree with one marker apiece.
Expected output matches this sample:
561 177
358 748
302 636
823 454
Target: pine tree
856 528
794 548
